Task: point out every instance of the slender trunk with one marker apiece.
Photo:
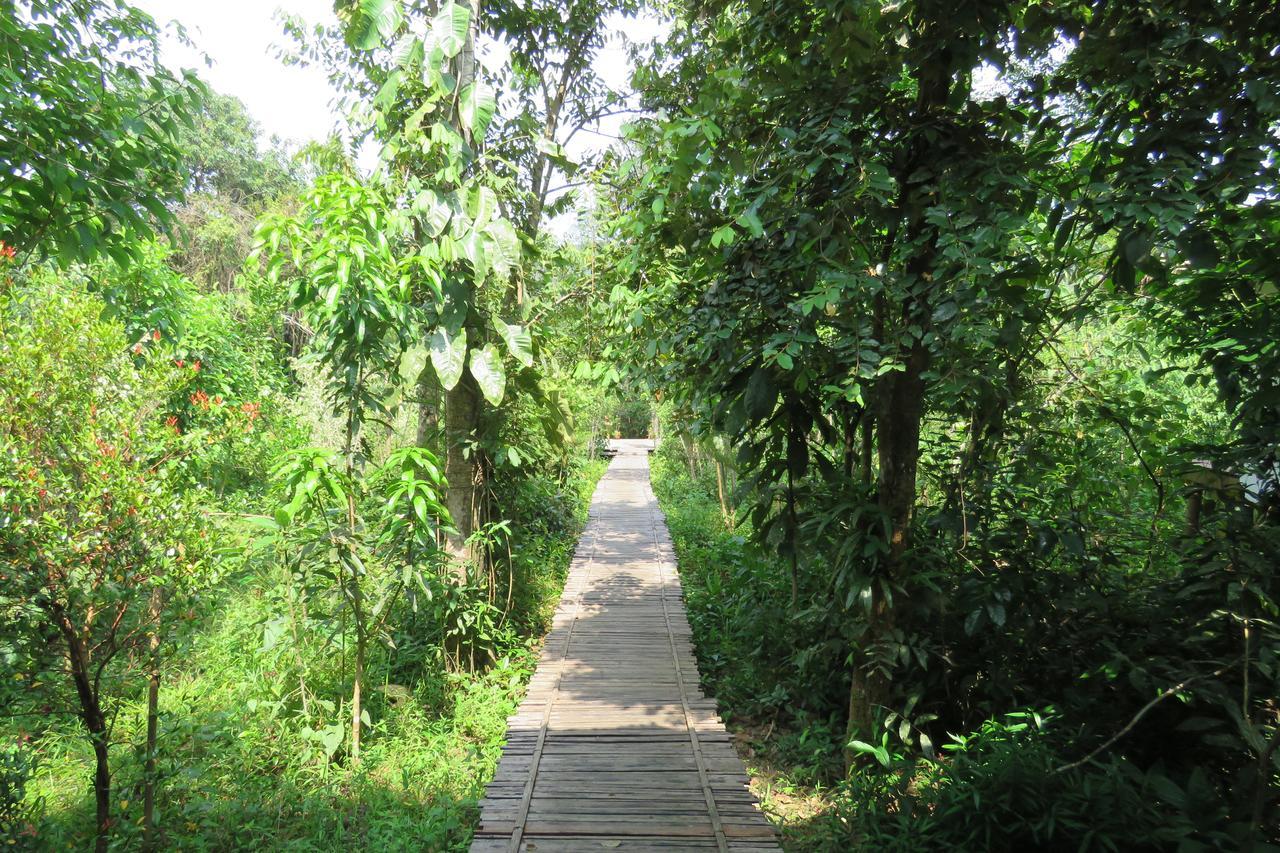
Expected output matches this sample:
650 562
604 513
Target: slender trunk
900 399
868 446
95 723
356 710
101 784
355 591
297 643
462 403
689 456
461 420
149 840
724 503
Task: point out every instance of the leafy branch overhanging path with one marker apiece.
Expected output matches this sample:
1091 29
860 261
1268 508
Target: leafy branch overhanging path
615 747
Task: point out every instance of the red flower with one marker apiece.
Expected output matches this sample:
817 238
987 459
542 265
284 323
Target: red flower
195 365
137 349
178 362
155 334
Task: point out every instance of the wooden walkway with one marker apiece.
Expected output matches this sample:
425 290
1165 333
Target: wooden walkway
615 747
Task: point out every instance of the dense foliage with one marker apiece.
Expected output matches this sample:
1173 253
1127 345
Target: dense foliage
235 596
982 297
956 324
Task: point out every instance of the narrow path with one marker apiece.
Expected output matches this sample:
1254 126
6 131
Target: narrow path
615 747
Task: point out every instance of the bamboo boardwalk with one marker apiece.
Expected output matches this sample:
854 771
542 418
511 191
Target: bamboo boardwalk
615 747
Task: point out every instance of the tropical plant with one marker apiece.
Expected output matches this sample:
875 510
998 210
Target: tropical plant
79 182
99 549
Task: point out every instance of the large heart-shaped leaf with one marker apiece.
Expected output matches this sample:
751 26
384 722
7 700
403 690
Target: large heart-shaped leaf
412 362
483 207
448 356
486 367
373 22
449 28
503 249
472 246
519 342
477 108
434 212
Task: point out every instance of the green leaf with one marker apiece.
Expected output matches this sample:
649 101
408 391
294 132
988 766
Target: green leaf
373 22
449 28
751 222
448 356
484 207
1199 248
945 311
412 362
472 247
486 367
761 395
519 342
503 249
477 108
722 236
433 211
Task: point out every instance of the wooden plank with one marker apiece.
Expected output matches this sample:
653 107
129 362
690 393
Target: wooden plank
615 746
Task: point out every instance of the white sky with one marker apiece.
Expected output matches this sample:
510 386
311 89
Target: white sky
241 37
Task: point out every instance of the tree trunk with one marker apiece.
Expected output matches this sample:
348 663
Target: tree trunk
868 446
462 404
149 840
724 503
356 709
690 455
95 723
900 395
898 442
461 420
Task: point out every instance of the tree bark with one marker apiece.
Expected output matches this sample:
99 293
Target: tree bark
724 503
149 840
461 419
95 723
462 404
900 395
356 698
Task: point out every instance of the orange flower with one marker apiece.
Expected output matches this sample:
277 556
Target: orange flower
155 334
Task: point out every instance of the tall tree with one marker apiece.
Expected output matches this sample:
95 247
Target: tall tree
557 93
90 153
857 237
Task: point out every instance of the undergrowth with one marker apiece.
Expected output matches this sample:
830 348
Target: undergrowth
244 768
1012 781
